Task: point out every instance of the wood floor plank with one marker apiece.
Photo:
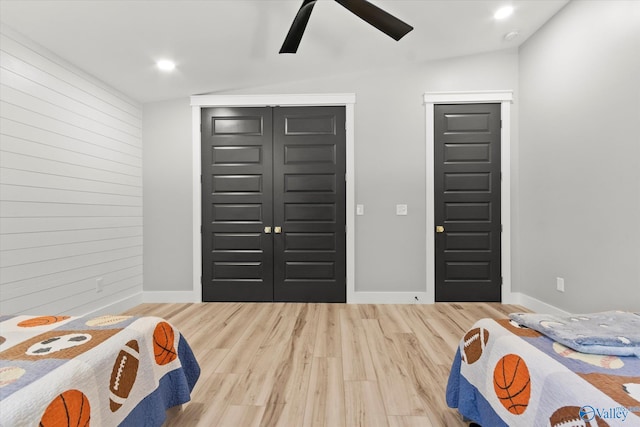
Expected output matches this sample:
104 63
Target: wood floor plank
325 399
239 415
240 356
409 421
257 384
363 404
328 337
293 374
211 402
356 359
399 395
342 365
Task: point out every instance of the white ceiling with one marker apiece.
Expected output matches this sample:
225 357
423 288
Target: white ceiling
222 45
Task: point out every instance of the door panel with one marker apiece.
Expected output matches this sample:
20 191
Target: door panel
237 204
309 204
281 168
467 202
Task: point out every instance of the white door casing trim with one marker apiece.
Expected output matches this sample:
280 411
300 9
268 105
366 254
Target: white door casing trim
347 100
505 98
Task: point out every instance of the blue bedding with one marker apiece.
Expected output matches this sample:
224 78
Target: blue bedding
612 332
99 371
506 375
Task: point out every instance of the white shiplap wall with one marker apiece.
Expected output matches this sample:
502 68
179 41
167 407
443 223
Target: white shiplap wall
70 186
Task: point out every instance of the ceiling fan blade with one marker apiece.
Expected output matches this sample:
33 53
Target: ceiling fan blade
292 41
383 21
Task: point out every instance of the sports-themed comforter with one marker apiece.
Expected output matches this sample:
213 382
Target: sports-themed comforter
506 375
98 371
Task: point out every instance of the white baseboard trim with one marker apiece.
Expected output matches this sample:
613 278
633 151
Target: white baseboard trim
387 298
119 306
169 296
354 298
536 305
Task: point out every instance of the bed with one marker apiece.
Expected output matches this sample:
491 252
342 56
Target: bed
504 374
102 371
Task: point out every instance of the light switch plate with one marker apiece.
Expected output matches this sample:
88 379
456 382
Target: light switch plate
401 210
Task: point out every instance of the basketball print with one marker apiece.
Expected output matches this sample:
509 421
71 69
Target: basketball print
41 321
123 374
512 383
474 343
70 408
163 348
570 416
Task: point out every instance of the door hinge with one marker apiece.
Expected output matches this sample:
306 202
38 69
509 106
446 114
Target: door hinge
500 123
501 281
200 229
501 228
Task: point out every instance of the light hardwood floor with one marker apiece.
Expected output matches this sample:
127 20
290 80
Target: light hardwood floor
331 365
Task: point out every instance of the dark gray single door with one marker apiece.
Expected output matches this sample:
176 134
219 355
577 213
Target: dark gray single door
273 204
310 204
467 202
237 204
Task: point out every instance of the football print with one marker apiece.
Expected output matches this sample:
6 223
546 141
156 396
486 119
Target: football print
570 416
474 343
123 374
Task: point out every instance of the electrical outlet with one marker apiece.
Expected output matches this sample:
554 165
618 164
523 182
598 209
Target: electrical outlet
359 209
401 210
99 284
559 284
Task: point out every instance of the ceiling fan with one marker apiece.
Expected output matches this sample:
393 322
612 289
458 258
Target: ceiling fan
388 24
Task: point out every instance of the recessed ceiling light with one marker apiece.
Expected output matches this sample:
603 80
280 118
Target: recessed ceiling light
503 12
166 65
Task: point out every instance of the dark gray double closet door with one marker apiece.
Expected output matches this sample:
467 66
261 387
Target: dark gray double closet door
273 204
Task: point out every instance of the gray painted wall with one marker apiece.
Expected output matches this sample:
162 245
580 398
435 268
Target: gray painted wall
390 168
579 160
167 182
